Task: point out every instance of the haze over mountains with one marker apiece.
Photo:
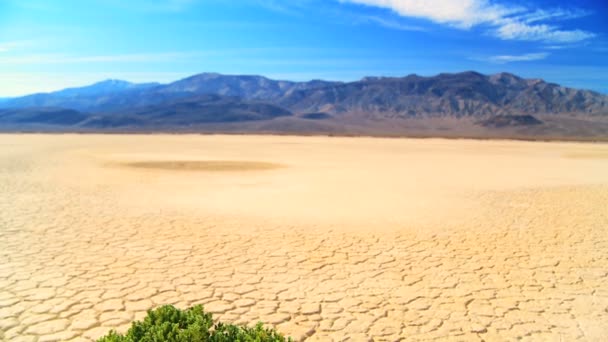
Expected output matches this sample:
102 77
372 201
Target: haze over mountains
374 105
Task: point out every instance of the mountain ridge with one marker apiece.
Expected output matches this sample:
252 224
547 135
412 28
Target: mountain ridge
464 93
76 98
210 101
458 94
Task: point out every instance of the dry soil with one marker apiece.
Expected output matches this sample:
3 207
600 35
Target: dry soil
323 238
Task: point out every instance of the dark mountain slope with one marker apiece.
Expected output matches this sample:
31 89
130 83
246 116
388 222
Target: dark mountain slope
193 111
203 109
500 121
45 116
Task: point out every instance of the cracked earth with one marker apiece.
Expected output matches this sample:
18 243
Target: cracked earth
323 238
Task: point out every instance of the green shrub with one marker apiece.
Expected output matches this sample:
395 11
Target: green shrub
169 324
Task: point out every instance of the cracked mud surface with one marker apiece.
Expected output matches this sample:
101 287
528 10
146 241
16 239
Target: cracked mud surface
351 239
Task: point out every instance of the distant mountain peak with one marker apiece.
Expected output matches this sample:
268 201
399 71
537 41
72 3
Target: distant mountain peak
109 85
371 78
205 75
505 74
112 81
463 74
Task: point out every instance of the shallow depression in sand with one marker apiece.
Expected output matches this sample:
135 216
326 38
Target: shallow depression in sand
204 165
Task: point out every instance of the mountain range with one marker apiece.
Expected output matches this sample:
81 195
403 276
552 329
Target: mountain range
459 104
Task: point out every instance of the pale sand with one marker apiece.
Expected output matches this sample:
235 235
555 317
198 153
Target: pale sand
324 238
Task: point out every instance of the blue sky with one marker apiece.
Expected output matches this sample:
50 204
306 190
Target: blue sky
47 45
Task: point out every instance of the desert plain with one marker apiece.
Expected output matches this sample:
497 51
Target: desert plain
324 238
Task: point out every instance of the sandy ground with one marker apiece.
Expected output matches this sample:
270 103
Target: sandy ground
324 238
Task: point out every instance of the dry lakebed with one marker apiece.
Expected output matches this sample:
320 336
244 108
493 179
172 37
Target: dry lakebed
326 239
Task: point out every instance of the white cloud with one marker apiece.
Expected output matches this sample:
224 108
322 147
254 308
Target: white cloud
459 13
517 58
508 22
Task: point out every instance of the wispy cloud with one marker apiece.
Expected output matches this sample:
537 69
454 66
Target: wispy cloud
509 22
4 47
513 29
393 24
153 5
135 5
278 6
42 59
14 45
503 59
302 7
153 57
555 14
172 5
